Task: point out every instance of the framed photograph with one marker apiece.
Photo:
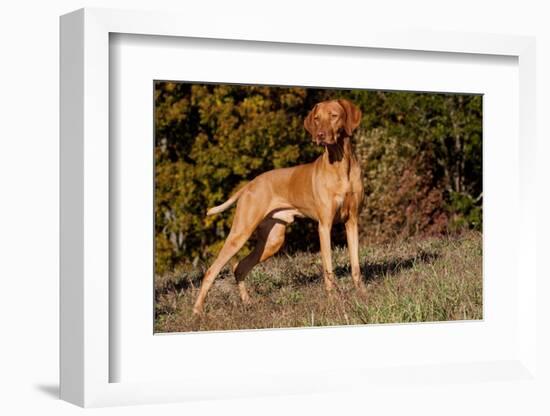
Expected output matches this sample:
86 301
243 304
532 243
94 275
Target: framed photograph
281 213
395 177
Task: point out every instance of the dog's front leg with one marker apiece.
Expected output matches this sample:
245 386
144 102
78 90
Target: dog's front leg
352 235
326 255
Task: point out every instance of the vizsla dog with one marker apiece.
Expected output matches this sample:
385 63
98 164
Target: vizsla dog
328 190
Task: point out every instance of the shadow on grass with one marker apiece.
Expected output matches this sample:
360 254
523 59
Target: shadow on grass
377 271
182 281
178 282
370 272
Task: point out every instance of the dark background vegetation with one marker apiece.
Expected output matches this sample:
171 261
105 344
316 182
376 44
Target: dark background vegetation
420 154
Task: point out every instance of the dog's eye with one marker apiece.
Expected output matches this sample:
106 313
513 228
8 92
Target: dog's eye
334 115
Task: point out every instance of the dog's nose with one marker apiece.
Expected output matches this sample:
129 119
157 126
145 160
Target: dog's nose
321 135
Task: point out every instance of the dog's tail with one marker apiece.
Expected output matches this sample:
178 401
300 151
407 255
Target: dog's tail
226 204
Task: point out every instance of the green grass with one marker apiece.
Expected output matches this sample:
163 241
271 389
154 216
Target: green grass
435 279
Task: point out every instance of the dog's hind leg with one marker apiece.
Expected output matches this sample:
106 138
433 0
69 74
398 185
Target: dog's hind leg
270 238
244 224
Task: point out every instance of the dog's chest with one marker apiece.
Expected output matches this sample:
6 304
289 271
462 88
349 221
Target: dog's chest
339 199
343 194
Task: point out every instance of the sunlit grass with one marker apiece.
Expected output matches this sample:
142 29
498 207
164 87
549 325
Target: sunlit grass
435 279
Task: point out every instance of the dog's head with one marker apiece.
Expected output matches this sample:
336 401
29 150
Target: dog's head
329 120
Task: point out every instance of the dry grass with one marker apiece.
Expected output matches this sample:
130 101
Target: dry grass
434 279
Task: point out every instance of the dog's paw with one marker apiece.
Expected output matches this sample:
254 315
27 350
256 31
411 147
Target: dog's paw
361 288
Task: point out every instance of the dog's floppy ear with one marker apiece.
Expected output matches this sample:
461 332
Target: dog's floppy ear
309 125
353 116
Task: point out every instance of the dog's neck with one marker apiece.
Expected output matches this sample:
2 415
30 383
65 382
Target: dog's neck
339 155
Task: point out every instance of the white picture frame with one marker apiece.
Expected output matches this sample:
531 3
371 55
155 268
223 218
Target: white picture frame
85 221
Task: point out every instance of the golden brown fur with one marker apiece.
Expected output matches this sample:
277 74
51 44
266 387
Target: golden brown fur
327 190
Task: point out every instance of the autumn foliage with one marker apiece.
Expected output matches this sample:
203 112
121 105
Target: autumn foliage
420 154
